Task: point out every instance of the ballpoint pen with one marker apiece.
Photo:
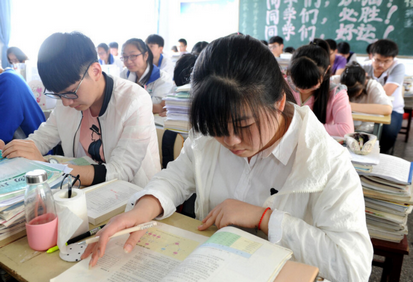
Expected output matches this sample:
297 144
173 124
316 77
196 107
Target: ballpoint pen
77 238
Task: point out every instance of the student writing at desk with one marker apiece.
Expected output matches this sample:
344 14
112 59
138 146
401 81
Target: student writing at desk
309 79
389 72
249 142
108 118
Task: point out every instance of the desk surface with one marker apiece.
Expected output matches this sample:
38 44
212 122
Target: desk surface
375 119
27 265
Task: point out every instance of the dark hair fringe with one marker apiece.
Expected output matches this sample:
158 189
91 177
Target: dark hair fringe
385 48
155 39
104 46
63 58
183 69
244 76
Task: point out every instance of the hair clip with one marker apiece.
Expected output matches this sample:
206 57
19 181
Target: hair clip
347 70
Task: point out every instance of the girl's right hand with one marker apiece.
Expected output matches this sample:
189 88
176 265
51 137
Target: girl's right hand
146 209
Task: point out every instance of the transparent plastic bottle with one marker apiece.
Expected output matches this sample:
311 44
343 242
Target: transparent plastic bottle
41 218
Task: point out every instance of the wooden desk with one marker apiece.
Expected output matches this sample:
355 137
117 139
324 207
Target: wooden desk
393 254
27 265
378 122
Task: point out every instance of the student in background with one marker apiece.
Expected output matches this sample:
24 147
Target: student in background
338 63
20 113
249 142
114 49
182 44
106 58
343 49
366 94
16 56
138 60
368 52
174 49
309 79
183 69
289 49
198 47
389 72
156 43
107 118
276 45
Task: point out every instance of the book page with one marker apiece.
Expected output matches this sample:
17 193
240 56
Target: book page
232 255
109 197
160 250
392 168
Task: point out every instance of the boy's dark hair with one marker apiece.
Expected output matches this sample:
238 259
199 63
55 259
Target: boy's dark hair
242 76
276 39
174 48
183 41
332 43
308 65
183 69
354 77
63 58
198 47
155 39
385 48
114 45
343 48
104 46
18 53
289 49
368 49
265 42
143 48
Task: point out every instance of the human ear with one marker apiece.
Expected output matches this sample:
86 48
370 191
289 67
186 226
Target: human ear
95 71
280 105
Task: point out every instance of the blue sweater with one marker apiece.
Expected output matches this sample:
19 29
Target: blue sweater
18 107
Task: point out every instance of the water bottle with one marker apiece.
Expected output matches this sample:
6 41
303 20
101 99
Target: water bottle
41 217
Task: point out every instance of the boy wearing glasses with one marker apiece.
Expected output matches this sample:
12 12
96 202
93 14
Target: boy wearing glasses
107 118
389 72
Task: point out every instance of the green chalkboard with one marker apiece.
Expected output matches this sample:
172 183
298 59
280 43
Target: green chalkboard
358 22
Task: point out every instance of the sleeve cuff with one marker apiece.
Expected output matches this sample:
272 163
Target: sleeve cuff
100 174
275 226
167 205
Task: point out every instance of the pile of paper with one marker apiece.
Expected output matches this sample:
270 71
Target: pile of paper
12 188
177 109
388 197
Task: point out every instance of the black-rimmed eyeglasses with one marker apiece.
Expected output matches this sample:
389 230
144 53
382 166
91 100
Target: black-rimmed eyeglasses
70 94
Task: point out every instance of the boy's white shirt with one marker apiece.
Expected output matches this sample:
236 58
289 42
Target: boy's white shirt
128 134
318 211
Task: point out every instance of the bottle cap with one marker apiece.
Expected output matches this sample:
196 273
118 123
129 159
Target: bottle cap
36 176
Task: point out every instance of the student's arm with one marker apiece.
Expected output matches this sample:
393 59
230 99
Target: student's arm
10 108
342 118
339 71
146 209
376 109
395 79
337 241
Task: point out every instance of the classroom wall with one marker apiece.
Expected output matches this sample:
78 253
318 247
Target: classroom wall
196 20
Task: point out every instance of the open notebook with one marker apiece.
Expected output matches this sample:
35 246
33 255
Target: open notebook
168 253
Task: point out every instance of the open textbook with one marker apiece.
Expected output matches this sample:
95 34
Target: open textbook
168 253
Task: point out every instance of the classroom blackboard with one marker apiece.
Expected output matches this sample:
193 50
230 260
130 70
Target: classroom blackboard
359 22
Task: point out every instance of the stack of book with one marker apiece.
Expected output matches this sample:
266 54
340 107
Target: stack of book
177 109
388 197
13 187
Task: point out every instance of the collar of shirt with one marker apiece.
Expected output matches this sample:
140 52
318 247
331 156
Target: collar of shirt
284 147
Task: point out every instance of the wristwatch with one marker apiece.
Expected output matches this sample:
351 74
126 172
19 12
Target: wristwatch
53 161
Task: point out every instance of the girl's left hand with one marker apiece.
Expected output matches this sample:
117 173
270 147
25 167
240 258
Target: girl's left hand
233 212
22 148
